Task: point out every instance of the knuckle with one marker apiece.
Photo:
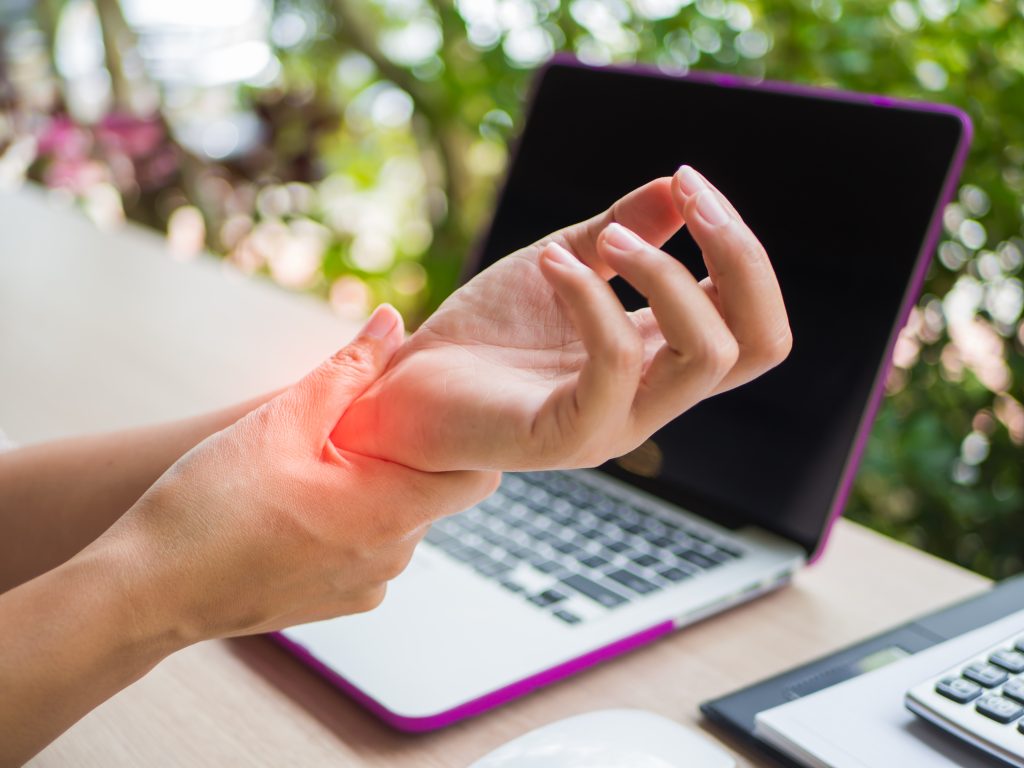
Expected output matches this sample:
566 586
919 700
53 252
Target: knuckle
395 565
370 599
716 354
590 452
354 358
625 351
770 352
387 530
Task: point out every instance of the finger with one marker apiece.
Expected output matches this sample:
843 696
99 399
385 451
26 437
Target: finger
699 350
319 400
598 402
747 290
650 211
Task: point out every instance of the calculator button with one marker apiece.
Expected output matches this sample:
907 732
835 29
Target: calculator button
1015 689
984 674
999 709
959 690
1011 661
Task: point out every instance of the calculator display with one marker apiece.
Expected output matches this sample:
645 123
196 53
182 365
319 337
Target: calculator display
881 658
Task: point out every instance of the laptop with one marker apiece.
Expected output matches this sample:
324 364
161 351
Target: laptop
561 570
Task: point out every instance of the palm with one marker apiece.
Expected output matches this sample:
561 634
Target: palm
534 364
476 375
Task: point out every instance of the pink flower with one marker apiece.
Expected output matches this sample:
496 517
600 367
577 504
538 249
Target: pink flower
134 136
64 139
77 174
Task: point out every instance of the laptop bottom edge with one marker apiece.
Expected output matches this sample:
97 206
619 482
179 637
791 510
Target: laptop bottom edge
484 703
499 696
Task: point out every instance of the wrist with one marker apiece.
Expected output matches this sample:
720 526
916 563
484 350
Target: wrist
123 581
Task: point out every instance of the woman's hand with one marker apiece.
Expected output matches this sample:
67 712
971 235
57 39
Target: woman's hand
262 525
534 364
267 524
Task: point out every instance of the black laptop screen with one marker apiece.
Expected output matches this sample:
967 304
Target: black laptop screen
840 193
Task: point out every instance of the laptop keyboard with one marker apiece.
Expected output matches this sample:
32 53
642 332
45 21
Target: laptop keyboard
574 550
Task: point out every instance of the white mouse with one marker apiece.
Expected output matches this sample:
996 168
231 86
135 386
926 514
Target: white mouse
609 738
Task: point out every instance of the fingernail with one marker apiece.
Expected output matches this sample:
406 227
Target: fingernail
381 322
710 209
689 180
621 239
561 256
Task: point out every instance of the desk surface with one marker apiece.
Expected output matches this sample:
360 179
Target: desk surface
101 331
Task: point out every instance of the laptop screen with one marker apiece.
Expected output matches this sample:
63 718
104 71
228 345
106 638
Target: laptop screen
840 192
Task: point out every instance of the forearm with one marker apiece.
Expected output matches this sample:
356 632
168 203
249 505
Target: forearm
56 498
73 637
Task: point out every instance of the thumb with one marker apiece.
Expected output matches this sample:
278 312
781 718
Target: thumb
320 399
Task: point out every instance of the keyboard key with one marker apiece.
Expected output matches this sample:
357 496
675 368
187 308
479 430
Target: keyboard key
674 574
712 553
959 690
580 541
567 548
548 566
647 561
550 597
568 617
1019 645
594 561
999 709
632 581
618 546
1015 689
463 553
987 675
594 591
696 558
511 586
487 567
1011 661
518 552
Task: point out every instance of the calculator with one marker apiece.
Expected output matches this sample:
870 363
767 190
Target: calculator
980 700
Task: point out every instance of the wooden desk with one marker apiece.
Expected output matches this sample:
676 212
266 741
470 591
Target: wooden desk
102 330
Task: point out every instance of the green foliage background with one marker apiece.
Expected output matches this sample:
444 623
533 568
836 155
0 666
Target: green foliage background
943 466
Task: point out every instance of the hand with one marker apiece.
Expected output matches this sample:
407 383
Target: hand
267 524
534 364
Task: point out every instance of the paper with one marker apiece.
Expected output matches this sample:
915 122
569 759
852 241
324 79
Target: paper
862 723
